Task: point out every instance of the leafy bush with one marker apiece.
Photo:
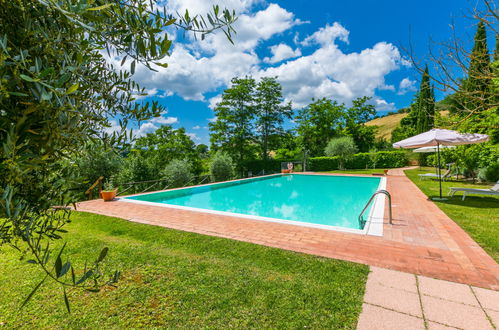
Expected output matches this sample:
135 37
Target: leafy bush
323 163
359 161
96 162
221 167
135 169
386 159
492 172
178 173
344 147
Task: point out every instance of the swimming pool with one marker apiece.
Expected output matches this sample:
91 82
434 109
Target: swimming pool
322 201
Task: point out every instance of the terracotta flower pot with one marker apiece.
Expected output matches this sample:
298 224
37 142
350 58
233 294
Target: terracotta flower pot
109 195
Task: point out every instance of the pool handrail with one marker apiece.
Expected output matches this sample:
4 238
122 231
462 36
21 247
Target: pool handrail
381 191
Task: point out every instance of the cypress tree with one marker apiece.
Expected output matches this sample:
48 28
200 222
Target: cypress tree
425 104
475 90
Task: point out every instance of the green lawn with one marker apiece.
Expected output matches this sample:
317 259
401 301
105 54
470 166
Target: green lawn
365 171
183 280
478 215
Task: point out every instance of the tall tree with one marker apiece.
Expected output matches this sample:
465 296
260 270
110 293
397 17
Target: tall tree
57 92
474 94
233 129
270 112
356 116
421 117
425 105
166 144
318 123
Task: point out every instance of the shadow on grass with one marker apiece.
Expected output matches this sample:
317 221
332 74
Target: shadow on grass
478 202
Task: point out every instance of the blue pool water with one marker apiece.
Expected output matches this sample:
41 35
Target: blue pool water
316 199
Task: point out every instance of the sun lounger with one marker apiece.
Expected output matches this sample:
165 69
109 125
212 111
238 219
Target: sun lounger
492 191
435 176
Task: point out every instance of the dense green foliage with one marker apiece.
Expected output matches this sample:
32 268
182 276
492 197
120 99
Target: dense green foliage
57 93
492 172
325 119
317 123
166 144
342 147
177 279
178 173
96 160
380 159
221 167
468 159
477 215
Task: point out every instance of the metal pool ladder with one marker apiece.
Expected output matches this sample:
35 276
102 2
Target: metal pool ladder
381 191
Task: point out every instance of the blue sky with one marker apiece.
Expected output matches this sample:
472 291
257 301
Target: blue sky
336 49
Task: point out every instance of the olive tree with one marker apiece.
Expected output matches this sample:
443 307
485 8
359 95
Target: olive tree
57 91
344 147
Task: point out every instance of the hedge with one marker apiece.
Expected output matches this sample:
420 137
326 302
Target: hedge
381 159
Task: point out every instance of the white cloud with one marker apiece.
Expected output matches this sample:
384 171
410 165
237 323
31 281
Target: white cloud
329 72
382 105
164 120
327 35
145 128
193 136
212 120
203 66
197 7
212 102
407 85
198 67
281 52
197 127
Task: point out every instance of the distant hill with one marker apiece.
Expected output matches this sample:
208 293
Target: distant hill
387 124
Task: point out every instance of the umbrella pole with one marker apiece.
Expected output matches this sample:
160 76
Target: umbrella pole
439 171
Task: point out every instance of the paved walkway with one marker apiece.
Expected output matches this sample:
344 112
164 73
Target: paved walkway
422 240
396 300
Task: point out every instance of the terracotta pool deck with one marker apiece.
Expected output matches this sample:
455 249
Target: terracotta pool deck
422 240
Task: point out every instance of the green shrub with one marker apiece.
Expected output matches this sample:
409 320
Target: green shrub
135 169
97 161
221 167
323 163
492 172
344 147
178 173
359 161
391 159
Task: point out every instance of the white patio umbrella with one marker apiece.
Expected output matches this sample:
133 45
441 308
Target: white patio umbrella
438 138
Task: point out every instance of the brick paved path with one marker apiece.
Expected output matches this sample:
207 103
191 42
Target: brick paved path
422 240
